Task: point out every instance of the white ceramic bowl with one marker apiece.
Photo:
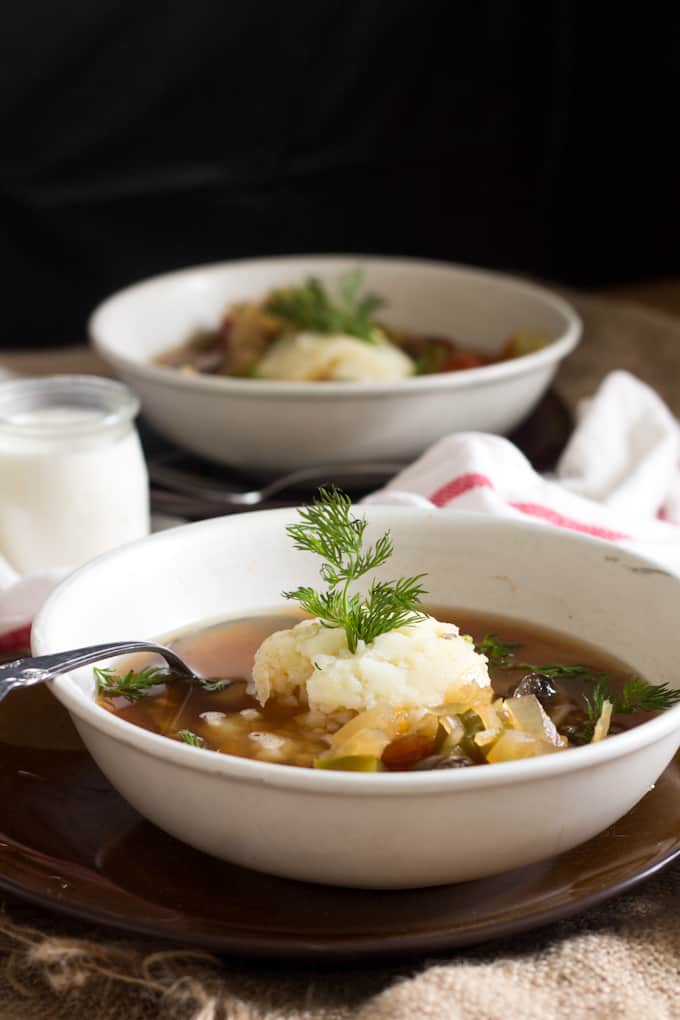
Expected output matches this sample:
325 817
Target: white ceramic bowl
269 426
384 830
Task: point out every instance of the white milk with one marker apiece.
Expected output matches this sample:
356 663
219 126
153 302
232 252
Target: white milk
73 482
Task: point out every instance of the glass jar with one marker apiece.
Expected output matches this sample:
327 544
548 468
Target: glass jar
73 481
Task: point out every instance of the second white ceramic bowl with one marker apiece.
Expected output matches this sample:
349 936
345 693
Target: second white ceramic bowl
384 830
265 426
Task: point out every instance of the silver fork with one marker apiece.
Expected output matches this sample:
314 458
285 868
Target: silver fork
193 484
38 670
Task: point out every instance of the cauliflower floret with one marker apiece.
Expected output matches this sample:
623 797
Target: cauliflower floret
420 665
305 357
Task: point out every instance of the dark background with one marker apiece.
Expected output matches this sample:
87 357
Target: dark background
143 136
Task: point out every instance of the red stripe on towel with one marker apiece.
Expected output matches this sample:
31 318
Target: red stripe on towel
457 486
16 639
545 513
472 480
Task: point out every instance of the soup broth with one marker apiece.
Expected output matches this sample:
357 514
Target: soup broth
232 721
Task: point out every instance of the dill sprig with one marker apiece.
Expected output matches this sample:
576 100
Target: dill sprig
502 655
187 737
311 307
637 695
328 529
134 684
211 686
499 653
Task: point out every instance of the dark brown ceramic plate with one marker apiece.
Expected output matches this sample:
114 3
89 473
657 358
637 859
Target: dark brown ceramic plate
70 843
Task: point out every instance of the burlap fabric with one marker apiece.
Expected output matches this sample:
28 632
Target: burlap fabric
621 960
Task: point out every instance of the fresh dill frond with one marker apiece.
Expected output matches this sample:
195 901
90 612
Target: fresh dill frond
499 653
390 605
595 701
328 529
211 686
328 606
637 695
187 737
311 307
133 685
567 671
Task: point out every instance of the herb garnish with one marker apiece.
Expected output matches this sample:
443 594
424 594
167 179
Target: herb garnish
211 686
311 307
187 737
502 655
328 529
134 684
637 695
499 653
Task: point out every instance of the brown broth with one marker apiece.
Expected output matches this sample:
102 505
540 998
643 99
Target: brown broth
227 649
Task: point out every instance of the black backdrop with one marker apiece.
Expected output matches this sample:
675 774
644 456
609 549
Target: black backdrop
141 135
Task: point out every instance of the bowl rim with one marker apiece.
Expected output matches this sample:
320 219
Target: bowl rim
555 351
314 781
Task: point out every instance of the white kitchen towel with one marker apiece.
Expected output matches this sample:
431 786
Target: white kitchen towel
618 478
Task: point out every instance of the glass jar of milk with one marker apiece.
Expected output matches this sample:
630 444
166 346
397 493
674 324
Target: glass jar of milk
73 481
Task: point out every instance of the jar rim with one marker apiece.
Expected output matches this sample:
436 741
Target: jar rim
116 404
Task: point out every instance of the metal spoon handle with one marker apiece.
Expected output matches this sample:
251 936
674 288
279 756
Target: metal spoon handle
29 671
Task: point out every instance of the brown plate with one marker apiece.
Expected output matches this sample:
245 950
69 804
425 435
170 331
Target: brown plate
70 843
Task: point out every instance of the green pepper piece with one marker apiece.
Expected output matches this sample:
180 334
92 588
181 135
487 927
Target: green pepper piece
473 724
351 763
447 729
